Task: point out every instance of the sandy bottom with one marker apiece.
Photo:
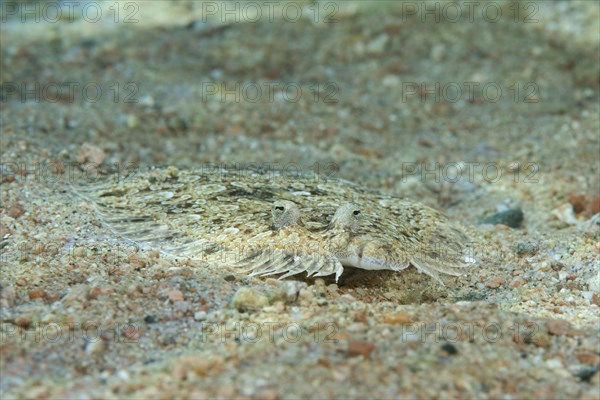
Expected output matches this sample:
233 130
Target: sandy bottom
472 117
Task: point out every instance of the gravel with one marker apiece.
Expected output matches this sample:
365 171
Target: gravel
85 314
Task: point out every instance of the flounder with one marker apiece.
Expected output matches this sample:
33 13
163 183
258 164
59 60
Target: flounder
272 224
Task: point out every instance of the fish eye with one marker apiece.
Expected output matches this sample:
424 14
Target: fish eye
285 213
346 218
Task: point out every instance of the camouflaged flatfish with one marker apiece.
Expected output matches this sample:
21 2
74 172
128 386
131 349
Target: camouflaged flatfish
267 223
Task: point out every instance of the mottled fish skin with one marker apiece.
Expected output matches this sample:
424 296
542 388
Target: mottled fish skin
271 224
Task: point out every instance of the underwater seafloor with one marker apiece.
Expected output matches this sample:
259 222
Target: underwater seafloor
492 119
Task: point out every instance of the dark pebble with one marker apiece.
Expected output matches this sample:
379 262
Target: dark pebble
149 319
450 349
586 373
512 218
229 278
526 248
472 296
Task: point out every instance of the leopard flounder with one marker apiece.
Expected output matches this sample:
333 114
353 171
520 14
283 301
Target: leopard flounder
269 223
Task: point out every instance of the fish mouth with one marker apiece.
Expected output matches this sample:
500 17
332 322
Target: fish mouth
373 255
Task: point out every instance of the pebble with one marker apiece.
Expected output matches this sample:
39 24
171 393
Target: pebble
494 283
517 282
36 294
356 327
594 283
360 348
276 294
182 306
16 210
539 338
587 295
131 120
200 315
562 275
50 318
23 322
123 375
578 201
558 327
146 101
91 154
97 292
79 252
246 299
305 294
449 348
198 394
130 332
78 294
526 248
595 299
226 392
95 347
588 358
348 298
292 289
175 295
554 363
8 296
333 289
277 308
322 301
136 262
565 214
399 318
512 218
585 373
199 366
377 45
438 52
391 80
576 333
